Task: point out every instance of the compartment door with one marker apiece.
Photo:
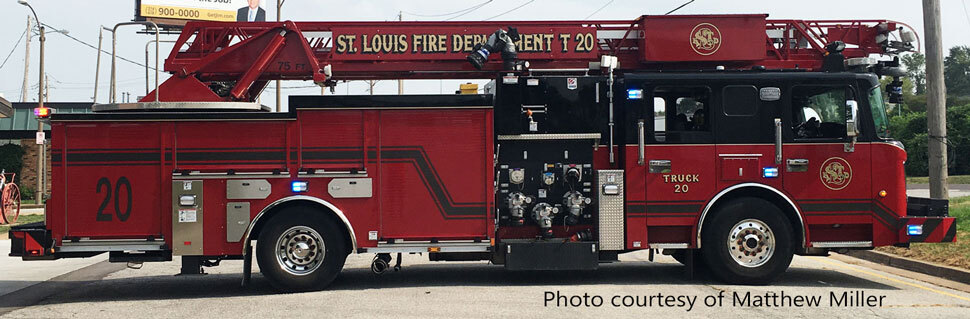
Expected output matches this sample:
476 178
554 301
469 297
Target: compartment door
112 183
435 173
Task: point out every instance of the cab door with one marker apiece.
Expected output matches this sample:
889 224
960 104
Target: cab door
680 161
825 172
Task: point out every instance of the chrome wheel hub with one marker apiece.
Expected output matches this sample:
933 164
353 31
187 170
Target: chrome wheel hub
751 243
300 250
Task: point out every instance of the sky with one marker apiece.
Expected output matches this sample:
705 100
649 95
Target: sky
71 65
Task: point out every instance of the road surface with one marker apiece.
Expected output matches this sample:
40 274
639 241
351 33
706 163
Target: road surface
476 289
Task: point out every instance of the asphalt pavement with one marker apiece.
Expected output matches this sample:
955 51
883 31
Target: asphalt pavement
16 274
92 287
424 289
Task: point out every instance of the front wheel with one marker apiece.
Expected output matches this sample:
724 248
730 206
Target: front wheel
300 250
748 241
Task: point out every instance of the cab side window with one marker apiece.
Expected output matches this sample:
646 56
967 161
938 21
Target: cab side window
681 114
818 112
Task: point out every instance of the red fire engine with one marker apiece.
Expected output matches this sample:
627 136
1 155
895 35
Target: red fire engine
732 141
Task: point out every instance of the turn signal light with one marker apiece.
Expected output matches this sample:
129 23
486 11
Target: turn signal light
883 193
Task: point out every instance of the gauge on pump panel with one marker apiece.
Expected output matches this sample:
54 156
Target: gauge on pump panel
517 176
549 178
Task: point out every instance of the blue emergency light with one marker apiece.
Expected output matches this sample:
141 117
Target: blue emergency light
634 94
770 172
299 186
914 230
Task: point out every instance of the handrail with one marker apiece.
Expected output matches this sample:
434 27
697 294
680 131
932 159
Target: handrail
114 60
156 41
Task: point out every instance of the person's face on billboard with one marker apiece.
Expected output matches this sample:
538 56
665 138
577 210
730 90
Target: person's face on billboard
253 3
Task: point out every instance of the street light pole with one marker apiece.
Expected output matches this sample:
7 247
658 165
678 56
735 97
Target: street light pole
39 193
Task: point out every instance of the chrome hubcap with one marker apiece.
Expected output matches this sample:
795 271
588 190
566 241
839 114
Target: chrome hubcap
751 243
300 250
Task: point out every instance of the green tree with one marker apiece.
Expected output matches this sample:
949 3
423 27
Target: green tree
915 64
956 71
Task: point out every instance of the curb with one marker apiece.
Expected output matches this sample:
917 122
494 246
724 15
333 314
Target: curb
31 206
926 268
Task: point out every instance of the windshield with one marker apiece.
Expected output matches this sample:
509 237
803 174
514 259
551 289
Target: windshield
879 117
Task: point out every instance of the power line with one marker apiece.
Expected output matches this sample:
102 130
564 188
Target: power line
965 11
469 11
96 48
513 9
678 8
13 49
598 10
447 14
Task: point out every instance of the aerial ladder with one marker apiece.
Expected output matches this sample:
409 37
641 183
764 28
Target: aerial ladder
233 62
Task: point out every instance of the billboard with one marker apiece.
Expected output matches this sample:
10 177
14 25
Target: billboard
204 10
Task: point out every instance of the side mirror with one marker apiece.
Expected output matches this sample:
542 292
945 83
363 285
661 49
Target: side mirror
851 126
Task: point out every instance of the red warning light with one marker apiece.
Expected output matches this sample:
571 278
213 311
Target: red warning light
42 112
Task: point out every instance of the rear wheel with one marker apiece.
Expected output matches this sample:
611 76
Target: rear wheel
301 250
748 241
10 199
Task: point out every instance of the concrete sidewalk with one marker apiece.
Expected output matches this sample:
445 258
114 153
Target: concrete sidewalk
16 274
31 211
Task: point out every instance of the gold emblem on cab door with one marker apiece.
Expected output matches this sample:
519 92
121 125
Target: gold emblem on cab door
835 173
705 39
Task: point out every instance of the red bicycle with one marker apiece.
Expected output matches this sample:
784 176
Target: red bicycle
9 198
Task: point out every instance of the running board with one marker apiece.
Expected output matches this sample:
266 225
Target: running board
102 245
842 244
670 245
430 247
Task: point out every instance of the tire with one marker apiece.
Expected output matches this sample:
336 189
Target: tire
301 231
761 242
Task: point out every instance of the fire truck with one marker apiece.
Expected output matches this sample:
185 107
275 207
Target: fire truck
731 142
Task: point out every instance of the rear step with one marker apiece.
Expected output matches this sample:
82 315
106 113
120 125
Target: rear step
34 242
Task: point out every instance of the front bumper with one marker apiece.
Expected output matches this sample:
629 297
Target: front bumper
931 218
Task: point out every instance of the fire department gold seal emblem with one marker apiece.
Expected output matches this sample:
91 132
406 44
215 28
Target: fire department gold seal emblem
705 39
835 173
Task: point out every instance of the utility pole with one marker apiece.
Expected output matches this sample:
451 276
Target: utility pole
935 99
400 82
23 90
